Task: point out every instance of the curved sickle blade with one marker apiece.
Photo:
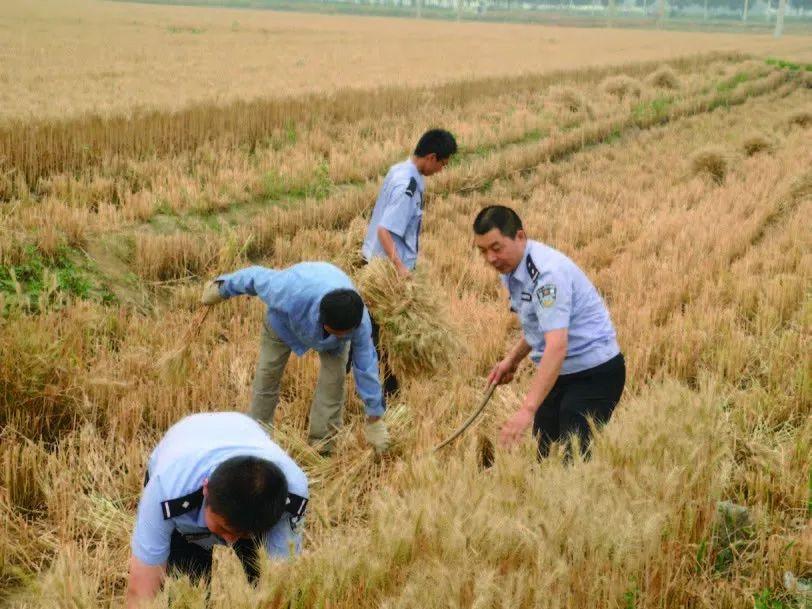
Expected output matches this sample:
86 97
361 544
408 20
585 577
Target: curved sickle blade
470 419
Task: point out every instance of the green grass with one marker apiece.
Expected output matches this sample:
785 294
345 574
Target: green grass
39 281
766 600
630 597
652 111
789 65
276 187
732 83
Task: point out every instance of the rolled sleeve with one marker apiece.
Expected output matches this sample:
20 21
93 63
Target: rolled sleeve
398 214
152 534
365 368
552 299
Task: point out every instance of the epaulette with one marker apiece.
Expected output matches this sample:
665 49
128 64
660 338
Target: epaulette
412 187
295 506
532 270
172 508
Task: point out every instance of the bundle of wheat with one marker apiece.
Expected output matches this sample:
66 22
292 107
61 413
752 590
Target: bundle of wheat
621 86
664 77
414 328
755 143
711 161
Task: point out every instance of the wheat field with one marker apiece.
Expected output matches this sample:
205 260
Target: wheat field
61 58
683 189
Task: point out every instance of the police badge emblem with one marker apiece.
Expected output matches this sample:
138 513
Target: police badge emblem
546 295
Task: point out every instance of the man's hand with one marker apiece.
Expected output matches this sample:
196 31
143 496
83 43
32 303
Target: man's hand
388 245
377 434
144 582
403 271
211 293
502 372
516 426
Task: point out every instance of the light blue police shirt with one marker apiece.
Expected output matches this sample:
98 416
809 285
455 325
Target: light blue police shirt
293 296
399 209
186 456
549 292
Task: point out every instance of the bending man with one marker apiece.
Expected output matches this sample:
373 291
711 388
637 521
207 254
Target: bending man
567 332
311 305
214 478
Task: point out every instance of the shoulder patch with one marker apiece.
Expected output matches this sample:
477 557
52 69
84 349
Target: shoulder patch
546 295
412 187
172 508
532 269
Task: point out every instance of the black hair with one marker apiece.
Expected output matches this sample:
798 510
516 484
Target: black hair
436 141
249 493
500 217
341 309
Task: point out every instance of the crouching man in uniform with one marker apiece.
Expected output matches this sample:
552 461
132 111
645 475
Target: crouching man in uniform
214 478
311 305
566 330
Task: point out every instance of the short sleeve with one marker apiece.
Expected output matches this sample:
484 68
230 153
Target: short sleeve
152 534
399 212
552 299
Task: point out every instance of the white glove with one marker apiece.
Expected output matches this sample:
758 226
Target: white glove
378 436
211 293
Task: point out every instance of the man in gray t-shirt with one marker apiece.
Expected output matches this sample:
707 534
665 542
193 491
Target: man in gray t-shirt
394 229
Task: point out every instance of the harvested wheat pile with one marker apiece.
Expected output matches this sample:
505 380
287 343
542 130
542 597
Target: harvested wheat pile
349 255
710 161
755 143
664 77
569 98
802 118
415 331
621 86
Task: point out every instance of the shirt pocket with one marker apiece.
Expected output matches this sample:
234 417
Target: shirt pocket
527 312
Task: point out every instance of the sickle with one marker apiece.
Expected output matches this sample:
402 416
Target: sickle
470 419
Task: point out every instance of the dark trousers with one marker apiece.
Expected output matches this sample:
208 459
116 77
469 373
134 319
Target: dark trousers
390 381
194 561
575 399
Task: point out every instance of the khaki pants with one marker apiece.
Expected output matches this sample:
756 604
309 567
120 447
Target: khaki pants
327 409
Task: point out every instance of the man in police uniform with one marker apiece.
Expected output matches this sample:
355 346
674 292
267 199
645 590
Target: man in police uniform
214 478
397 218
567 332
311 305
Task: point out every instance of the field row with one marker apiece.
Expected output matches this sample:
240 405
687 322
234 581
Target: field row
171 229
